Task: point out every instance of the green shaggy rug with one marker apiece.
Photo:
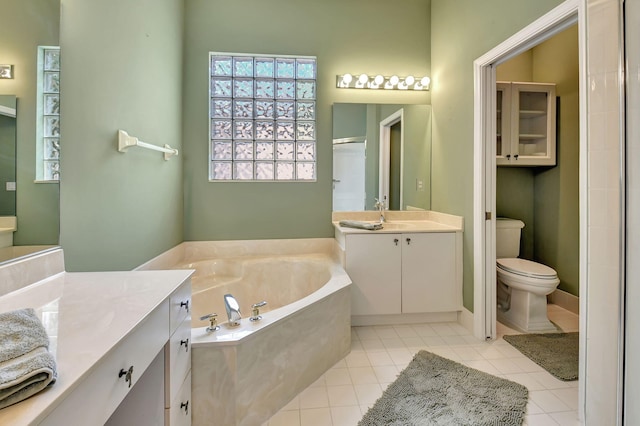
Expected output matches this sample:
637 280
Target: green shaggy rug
437 391
555 352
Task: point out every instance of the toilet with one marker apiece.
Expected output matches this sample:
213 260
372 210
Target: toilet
523 285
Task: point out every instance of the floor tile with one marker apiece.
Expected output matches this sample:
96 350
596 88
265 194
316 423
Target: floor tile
379 353
316 417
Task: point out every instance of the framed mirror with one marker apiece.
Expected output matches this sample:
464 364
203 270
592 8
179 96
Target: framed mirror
381 151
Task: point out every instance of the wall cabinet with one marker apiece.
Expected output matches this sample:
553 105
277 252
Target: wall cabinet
526 124
404 273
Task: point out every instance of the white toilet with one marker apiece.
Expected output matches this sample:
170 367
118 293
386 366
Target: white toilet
523 285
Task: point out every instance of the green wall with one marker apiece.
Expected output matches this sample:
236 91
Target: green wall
462 31
556 229
24 25
354 36
121 69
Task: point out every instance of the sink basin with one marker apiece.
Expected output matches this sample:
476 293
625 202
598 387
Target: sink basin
396 225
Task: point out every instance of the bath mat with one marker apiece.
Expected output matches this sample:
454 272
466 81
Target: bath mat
437 391
555 352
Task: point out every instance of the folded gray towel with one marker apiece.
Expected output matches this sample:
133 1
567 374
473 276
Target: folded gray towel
26 365
360 225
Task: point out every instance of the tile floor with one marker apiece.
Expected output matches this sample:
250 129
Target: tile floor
345 392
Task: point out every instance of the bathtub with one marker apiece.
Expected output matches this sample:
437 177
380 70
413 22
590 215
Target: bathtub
243 375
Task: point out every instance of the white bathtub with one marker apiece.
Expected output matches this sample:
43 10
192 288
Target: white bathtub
243 375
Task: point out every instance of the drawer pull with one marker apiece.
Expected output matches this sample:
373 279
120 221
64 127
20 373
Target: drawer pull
185 305
186 344
127 374
395 240
185 406
408 241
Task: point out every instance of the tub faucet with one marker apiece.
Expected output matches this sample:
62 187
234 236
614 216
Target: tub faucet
380 205
233 310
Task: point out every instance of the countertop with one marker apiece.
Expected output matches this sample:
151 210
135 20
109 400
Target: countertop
86 314
400 222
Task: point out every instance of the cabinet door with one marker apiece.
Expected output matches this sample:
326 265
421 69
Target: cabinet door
533 128
503 123
429 273
373 263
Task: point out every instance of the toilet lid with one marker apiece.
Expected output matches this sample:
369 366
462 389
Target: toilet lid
526 268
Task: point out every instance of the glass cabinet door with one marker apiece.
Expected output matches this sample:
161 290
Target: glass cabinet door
525 124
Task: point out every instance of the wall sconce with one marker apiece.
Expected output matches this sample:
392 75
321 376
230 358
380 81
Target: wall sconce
6 71
364 81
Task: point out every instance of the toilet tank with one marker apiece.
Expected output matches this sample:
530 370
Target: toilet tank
508 237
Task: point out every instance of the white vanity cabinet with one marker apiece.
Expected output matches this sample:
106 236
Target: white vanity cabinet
178 360
526 124
404 273
122 347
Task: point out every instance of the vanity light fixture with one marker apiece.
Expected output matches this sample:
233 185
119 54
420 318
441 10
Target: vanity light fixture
6 71
364 81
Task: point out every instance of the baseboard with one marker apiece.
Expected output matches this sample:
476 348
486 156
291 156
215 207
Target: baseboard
465 319
565 300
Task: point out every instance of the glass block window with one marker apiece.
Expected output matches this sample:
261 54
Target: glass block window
48 115
262 115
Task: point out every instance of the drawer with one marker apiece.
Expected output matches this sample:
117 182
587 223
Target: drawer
177 360
180 302
180 411
98 396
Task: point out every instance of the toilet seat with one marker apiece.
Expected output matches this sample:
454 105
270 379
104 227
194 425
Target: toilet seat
527 268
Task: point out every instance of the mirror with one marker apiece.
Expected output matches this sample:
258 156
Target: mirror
25 25
381 151
7 155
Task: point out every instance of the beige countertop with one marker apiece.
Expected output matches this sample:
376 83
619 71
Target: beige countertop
400 221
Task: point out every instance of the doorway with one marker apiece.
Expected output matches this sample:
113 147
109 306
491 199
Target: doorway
485 130
391 160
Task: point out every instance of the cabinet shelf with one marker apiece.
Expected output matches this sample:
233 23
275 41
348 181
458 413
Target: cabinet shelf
530 137
532 113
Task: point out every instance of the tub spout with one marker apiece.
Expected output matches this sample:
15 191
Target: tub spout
233 310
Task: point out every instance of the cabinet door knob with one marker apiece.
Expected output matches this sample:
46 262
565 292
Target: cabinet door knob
186 344
185 305
395 240
515 156
408 241
508 156
127 374
185 406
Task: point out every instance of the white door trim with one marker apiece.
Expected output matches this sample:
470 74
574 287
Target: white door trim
555 21
385 155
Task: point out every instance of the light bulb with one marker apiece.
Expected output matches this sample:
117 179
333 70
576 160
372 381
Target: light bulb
363 78
347 78
394 80
409 80
425 81
379 79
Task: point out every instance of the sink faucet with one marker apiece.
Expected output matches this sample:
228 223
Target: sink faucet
380 206
233 310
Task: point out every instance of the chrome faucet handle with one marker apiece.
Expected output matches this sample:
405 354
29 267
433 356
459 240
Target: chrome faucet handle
213 322
255 311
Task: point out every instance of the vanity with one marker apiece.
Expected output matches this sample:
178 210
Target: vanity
408 271
121 342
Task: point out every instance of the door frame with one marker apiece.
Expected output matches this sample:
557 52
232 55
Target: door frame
385 155
569 13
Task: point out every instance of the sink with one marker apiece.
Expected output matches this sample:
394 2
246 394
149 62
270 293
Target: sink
397 225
